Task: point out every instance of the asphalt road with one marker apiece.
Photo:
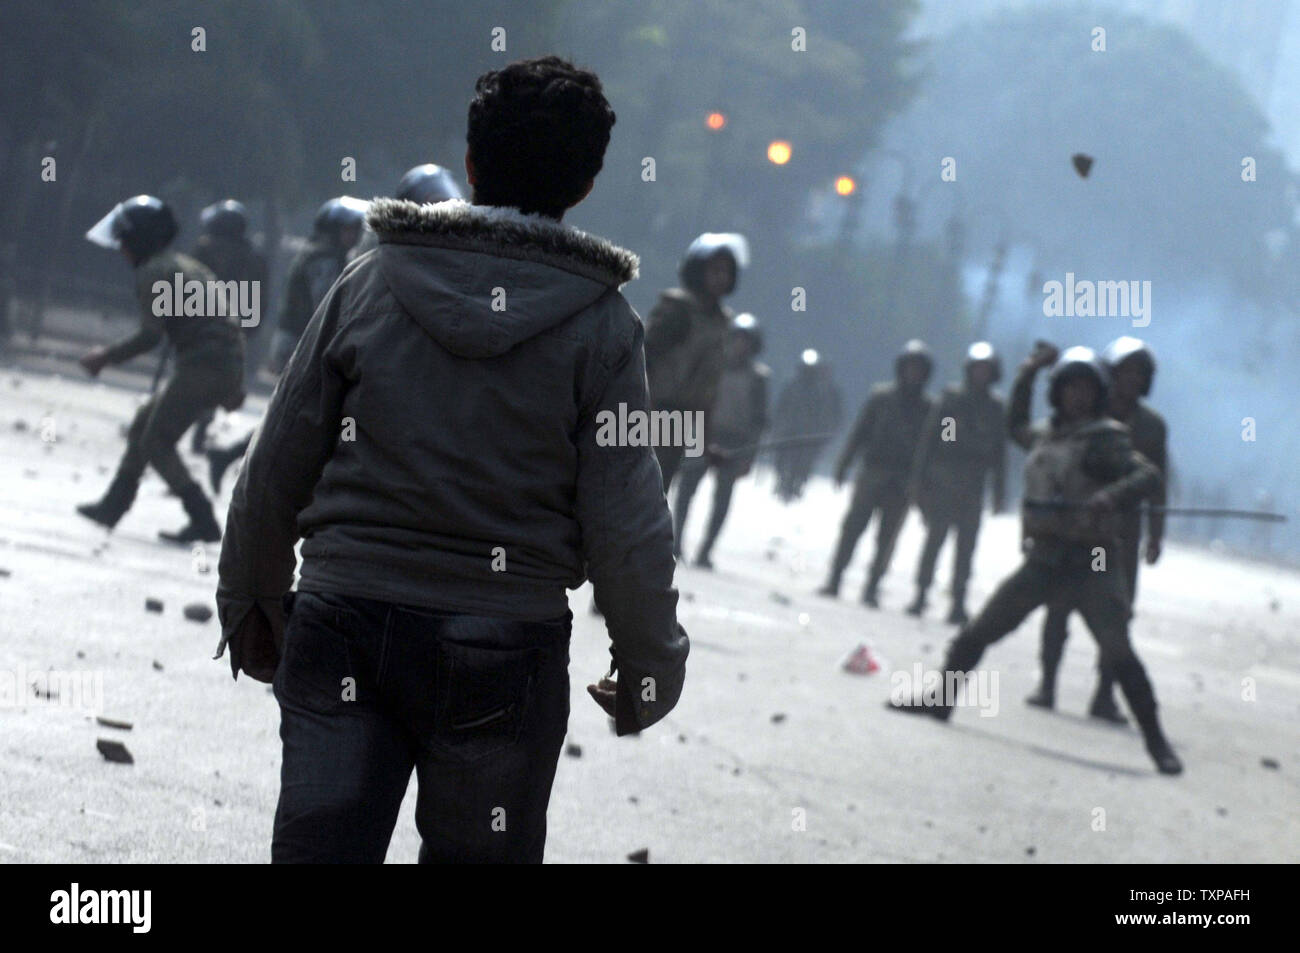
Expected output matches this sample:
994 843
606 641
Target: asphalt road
774 754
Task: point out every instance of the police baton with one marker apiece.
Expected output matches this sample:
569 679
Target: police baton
1258 515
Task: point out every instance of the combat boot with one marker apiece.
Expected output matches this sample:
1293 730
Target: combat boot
1044 696
202 527
1163 754
1132 678
918 605
962 657
1103 705
116 501
831 588
957 614
871 596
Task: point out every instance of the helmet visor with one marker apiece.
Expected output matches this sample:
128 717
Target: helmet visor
101 233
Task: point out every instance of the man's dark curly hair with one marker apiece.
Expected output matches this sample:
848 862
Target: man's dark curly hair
538 130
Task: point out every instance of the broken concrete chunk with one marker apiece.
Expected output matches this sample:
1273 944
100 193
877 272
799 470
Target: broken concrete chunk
153 605
1270 763
114 751
778 718
641 856
572 750
157 665
197 612
113 723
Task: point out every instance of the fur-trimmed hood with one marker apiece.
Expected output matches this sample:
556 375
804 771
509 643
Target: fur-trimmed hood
480 279
504 231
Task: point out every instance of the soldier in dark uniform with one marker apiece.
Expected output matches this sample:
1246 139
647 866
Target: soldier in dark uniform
209 367
1132 367
1081 474
336 229
424 185
224 247
964 442
686 333
810 405
883 441
736 424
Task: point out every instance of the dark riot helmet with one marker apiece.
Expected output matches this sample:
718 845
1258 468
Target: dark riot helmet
228 219
982 352
914 350
1075 362
704 248
143 225
426 184
1125 349
747 325
338 214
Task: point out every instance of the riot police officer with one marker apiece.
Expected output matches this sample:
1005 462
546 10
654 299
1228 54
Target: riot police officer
209 368
736 424
424 185
883 446
223 246
807 412
686 332
964 443
335 229
1081 473
1132 367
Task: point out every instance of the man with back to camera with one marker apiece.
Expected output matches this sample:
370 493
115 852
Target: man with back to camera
439 457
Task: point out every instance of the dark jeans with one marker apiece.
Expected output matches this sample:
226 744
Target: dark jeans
368 691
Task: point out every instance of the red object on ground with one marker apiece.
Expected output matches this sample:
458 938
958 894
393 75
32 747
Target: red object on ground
861 661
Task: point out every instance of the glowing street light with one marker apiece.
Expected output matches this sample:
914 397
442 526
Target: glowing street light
778 152
845 185
716 121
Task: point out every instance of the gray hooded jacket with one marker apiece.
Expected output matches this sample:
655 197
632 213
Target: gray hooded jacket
433 442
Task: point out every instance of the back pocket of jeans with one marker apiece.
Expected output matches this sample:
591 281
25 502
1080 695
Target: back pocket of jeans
483 698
